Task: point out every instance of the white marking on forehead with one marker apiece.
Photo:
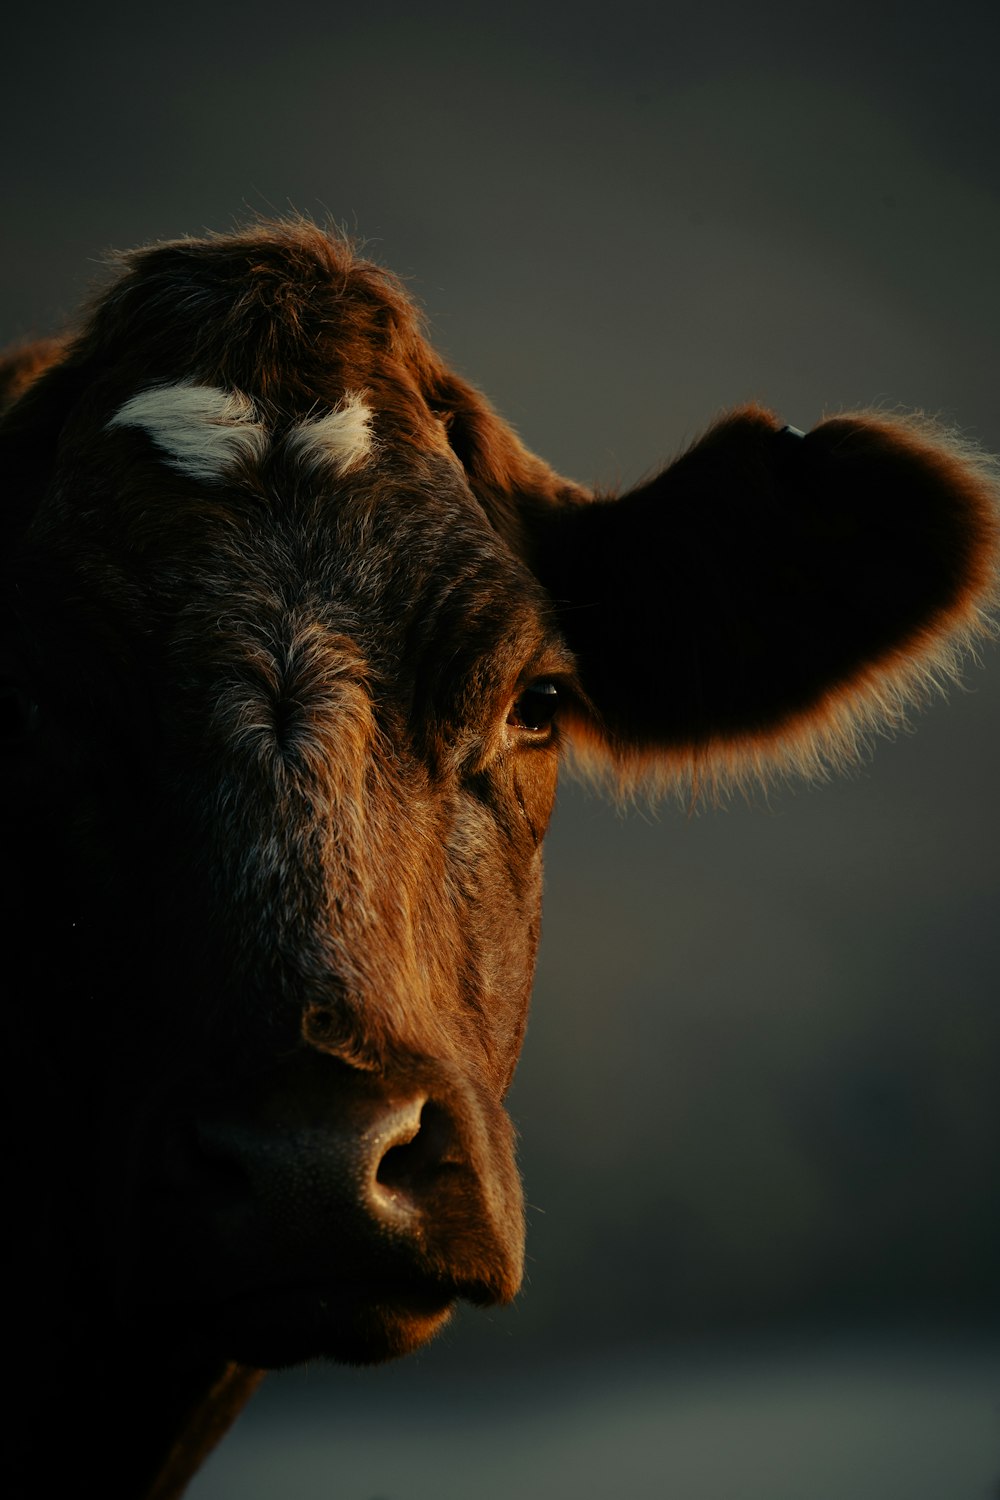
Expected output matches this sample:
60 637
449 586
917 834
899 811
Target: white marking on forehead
204 431
341 441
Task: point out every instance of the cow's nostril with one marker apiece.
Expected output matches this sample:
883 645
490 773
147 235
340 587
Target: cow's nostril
409 1170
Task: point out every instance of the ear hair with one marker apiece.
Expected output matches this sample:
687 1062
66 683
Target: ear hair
21 365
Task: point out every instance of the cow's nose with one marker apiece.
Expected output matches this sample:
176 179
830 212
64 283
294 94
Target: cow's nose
383 1155
409 1174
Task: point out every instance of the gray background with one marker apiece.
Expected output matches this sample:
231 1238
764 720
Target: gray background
758 1104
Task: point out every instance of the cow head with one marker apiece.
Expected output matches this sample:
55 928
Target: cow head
295 634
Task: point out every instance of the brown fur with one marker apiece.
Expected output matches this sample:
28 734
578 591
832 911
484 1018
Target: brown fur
274 804
21 366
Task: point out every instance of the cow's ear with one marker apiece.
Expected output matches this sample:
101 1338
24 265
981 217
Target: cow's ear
770 598
39 386
21 366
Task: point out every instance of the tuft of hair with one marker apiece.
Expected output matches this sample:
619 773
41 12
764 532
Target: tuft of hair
206 433
338 442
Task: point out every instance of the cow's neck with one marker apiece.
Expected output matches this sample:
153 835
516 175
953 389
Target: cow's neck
201 1414
136 1426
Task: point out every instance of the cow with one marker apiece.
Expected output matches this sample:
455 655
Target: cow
295 634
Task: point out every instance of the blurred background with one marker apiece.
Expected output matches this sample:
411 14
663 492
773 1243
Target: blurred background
758 1103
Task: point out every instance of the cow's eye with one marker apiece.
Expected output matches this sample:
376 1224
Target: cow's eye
536 707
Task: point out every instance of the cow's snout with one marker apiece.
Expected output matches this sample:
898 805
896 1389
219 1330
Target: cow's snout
350 1209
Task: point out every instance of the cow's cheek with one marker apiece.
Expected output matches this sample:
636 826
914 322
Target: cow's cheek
535 774
508 922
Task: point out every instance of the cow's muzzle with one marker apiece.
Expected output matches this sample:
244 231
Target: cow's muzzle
337 1211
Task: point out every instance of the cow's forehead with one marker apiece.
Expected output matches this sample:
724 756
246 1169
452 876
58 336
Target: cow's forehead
327 516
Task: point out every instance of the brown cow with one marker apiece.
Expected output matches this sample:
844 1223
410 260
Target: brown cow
295 633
